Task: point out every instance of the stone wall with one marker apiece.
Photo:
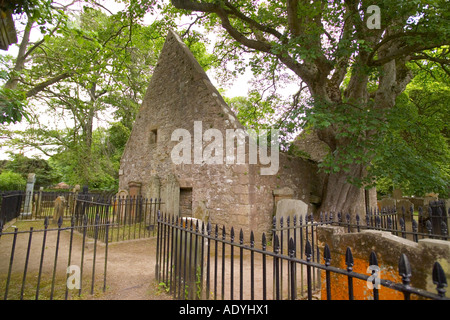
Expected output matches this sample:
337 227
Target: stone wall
179 95
388 249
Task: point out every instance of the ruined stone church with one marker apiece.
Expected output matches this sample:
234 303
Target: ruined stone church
180 95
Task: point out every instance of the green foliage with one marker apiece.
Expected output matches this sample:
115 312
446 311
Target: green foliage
11 181
12 106
253 111
109 60
45 176
415 152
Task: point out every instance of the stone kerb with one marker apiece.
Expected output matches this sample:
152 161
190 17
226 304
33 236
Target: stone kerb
388 249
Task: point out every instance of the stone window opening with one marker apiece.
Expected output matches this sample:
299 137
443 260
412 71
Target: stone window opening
153 138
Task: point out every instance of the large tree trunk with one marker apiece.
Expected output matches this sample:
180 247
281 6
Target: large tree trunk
341 196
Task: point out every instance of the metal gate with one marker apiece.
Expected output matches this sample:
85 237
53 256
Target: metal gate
11 204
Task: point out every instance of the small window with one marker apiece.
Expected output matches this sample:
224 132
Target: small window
153 139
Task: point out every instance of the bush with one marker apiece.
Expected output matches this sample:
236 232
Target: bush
11 181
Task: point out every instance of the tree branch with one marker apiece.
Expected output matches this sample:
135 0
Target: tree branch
41 86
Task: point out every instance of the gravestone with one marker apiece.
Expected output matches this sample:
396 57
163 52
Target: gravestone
154 188
60 204
38 206
430 197
397 194
120 204
288 208
27 207
407 205
387 203
172 195
135 192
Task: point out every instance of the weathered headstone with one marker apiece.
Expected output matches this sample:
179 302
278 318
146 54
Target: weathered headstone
429 198
120 204
135 192
397 194
172 195
387 203
27 208
288 208
38 207
406 204
154 188
60 204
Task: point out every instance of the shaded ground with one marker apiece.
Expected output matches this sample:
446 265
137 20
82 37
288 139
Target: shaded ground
130 269
131 272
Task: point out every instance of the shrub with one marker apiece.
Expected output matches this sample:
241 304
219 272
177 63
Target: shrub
10 180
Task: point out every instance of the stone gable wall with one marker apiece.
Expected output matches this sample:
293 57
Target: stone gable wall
228 194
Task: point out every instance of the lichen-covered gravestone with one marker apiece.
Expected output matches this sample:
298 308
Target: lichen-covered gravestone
28 205
60 204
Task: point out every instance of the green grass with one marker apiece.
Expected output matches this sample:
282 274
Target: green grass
45 288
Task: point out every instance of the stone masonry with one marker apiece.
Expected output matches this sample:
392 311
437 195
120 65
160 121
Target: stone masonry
236 195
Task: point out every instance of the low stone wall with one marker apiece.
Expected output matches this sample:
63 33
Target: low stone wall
388 249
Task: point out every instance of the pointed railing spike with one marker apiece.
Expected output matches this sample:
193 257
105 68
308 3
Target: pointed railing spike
443 228
291 247
327 255
308 250
439 279
208 228
349 259
60 221
264 241
276 244
373 261
389 222
223 233
404 269
429 226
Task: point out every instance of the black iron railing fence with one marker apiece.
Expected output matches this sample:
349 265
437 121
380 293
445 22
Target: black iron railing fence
53 262
429 223
39 204
195 260
130 217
